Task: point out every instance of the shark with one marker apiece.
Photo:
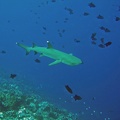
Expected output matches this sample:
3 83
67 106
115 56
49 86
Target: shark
49 51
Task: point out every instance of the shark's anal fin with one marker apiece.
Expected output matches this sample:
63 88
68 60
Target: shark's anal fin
55 62
41 54
49 45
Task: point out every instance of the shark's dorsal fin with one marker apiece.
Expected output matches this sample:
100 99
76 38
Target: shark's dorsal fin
49 44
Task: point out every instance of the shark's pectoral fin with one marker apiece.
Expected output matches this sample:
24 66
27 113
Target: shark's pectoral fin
55 62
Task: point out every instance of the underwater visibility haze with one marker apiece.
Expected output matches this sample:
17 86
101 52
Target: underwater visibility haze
69 67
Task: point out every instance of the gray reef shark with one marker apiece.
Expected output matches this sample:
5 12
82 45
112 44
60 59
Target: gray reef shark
59 56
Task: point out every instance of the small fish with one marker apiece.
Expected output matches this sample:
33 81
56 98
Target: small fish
76 40
44 28
63 30
66 19
91 5
93 42
101 45
93 36
117 18
93 98
9 21
108 44
100 17
102 28
60 34
70 10
13 76
53 0
68 89
76 97
3 52
37 60
107 30
85 13
102 40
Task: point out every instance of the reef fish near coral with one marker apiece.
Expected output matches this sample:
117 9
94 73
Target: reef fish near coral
76 97
13 76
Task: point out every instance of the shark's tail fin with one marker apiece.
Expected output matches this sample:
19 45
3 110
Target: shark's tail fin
24 47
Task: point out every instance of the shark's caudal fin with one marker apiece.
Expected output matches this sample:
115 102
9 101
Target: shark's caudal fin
24 47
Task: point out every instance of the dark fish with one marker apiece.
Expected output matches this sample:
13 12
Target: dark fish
53 0
56 21
76 40
107 30
117 18
92 5
66 19
37 60
102 40
63 30
85 13
70 10
3 51
8 21
60 34
76 97
100 17
44 28
93 36
108 43
13 76
93 98
93 42
102 28
68 89
13 30
101 45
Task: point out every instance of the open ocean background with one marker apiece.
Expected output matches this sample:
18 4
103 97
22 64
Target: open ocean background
97 81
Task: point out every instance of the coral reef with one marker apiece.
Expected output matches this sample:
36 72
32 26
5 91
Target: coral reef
15 104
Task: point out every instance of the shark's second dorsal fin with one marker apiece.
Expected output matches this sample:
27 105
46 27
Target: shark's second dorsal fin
34 45
49 44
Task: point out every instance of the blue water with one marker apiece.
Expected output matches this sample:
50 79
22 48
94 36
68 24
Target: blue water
28 21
